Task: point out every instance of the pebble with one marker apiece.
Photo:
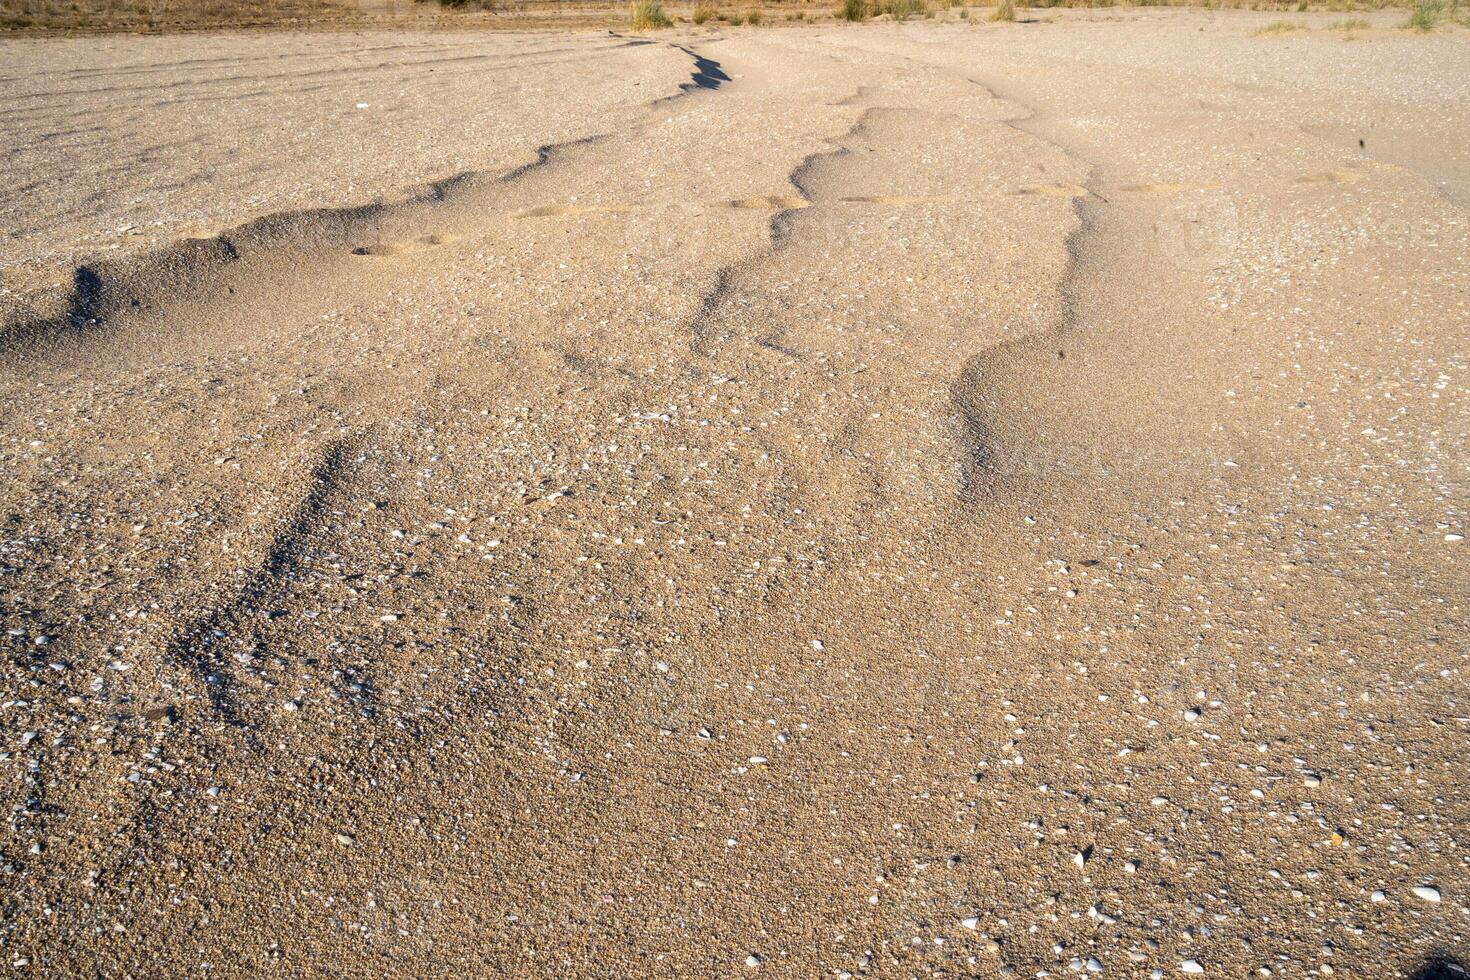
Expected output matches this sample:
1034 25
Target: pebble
1191 966
1426 892
1094 965
753 960
973 922
1191 714
1311 781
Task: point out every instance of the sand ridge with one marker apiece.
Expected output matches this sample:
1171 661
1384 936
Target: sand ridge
883 501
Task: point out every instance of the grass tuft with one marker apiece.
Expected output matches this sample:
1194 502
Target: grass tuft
648 15
853 10
1005 10
1278 27
1426 15
753 17
1351 24
904 9
703 11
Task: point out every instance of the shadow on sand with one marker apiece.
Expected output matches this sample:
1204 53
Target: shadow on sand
1439 967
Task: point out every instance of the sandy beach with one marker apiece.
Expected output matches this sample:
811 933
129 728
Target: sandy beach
943 498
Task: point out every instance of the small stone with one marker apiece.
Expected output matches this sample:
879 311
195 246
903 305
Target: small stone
1191 966
1427 892
973 922
1452 537
1191 714
346 840
818 646
1130 866
1378 896
1311 781
1081 857
754 960
758 760
1094 965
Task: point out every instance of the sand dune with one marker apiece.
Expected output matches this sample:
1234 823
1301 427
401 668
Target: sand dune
896 500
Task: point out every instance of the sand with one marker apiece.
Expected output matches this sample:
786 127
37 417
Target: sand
912 499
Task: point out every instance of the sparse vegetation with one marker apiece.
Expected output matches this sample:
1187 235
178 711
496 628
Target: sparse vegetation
1005 10
165 15
904 9
648 15
1426 15
174 15
753 17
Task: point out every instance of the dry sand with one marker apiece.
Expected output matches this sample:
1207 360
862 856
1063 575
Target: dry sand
901 500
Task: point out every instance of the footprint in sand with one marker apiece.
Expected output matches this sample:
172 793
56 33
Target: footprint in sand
1167 188
384 249
895 199
1339 176
1051 190
557 210
387 249
769 203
